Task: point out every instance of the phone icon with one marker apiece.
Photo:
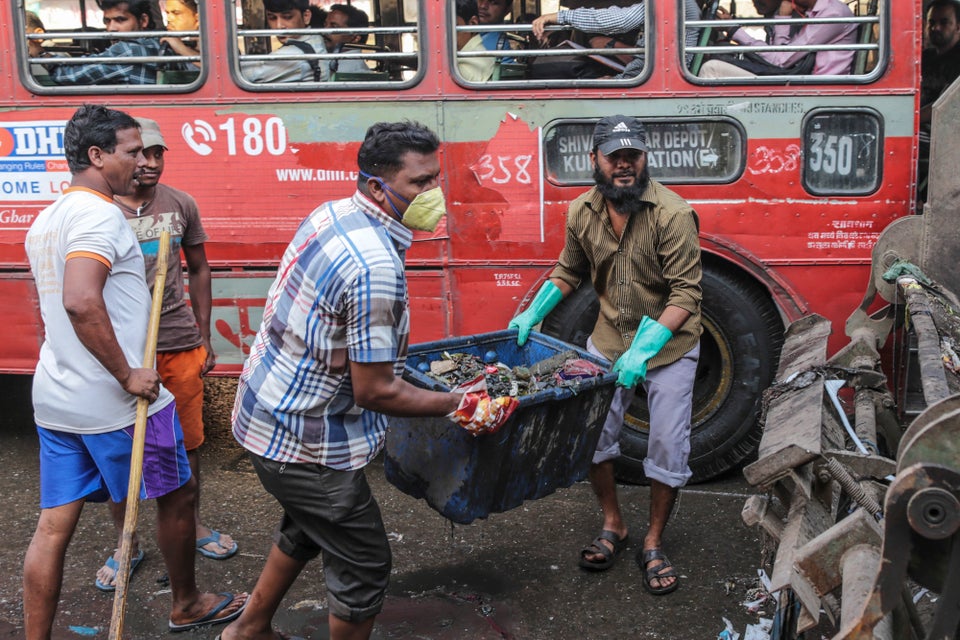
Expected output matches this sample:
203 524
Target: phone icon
199 129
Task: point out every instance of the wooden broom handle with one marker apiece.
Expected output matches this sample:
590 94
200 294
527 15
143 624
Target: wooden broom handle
136 455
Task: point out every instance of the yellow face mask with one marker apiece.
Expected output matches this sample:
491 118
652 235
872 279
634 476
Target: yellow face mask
425 210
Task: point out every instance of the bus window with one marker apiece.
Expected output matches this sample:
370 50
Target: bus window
495 43
281 46
124 47
819 41
842 152
692 151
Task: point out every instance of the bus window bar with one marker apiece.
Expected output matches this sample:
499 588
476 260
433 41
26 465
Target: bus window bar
365 46
49 61
266 33
531 53
785 47
788 22
111 35
384 55
515 28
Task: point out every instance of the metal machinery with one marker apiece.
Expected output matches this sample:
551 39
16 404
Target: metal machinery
856 506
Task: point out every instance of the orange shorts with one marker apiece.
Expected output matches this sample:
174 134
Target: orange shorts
180 373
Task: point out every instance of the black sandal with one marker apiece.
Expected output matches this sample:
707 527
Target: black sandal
656 572
597 547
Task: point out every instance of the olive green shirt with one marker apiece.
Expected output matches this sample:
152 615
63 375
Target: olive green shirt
655 264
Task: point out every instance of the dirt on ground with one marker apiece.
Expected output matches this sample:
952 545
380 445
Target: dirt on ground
513 575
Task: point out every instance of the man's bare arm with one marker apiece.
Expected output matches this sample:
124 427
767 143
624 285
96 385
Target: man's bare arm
201 297
376 388
83 282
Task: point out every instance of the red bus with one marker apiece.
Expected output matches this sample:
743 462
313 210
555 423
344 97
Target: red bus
793 176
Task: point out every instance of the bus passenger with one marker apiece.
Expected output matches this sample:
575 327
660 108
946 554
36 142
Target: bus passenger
119 16
289 14
345 16
940 64
611 21
831 62
35 48
472 69
182 15
765 9
939 67
495 12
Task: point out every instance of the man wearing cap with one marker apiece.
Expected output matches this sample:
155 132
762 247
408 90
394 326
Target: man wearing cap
184 353
637 242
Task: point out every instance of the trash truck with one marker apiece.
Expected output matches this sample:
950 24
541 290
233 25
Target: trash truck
858 470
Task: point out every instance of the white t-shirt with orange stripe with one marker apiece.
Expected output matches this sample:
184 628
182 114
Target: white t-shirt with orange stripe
72 391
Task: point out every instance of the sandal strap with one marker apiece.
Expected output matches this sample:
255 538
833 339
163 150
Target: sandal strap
596 547
654 554
656 571
610 537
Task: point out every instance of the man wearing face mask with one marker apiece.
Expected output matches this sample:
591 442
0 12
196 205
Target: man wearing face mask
324 372
637 242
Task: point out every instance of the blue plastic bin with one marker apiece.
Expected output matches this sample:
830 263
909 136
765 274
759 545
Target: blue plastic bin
546 444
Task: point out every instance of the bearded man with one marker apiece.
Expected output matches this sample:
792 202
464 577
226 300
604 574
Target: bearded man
638 243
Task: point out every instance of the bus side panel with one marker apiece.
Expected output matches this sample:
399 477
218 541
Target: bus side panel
22 327
486 298
834 302
236 313
495 188
239 298
429 298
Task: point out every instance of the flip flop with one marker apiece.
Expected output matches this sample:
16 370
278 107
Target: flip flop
209 618
597 547
657 571
214 537
115 566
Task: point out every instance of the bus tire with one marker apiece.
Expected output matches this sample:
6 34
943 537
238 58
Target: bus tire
739 349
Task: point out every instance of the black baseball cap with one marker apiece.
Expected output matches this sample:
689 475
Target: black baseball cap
619 132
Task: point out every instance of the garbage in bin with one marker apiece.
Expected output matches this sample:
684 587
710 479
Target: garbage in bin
546 444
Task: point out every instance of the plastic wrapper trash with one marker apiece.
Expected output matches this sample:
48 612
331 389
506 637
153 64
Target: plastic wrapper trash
546 444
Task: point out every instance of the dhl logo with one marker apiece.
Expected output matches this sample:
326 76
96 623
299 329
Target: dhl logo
31 140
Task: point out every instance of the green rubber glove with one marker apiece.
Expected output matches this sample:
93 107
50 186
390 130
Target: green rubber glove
546 299
649 340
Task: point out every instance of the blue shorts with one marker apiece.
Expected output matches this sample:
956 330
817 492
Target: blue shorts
97 466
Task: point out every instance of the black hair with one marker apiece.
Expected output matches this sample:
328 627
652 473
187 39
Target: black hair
136 7
385 144
318 17
356 18
467 9
93 125
953 4
33 21
279 6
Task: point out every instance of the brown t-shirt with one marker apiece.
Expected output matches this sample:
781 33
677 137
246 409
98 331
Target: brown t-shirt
174 211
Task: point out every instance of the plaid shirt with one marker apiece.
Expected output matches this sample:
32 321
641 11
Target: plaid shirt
614 20
98 73
340 296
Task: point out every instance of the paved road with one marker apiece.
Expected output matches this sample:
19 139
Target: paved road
513 575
